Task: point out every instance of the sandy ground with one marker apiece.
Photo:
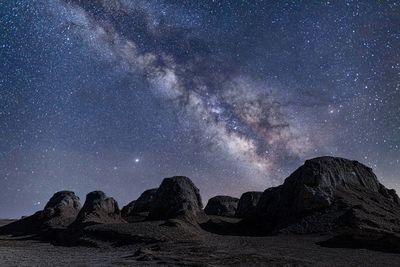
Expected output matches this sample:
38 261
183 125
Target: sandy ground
176 246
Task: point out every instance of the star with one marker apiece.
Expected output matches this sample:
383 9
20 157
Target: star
231 93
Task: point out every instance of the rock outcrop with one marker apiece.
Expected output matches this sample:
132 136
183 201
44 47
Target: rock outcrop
247 204
142 204
177 197
330 194
222 206
127 210
98 209
61 210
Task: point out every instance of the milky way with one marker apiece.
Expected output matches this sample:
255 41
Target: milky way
116 95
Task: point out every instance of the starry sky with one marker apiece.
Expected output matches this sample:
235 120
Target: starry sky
115 95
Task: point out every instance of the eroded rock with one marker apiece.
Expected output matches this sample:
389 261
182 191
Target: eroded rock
128 209
176 197
329 194
142 204
61 210
222 206
98 209
247 204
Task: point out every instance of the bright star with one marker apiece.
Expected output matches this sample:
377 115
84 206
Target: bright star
137 160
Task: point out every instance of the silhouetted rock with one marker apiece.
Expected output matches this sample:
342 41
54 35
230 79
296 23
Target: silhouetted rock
330 194
247 204
127 210
222 206
98 209
176 197
142 204
61 210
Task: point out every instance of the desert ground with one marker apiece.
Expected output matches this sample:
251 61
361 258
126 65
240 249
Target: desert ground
154 244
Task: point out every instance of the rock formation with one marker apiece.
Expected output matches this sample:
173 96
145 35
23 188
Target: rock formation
61 210
247 204
222 206
177 197
326 195
142 204
127 210
98 209
330 194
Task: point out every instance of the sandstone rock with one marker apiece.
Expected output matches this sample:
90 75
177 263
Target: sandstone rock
137 210
176 197
222 206
98 209
128 209
142 204
328 194
247 204
61 210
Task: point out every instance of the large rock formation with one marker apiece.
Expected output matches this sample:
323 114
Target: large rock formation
61 210
98 209
330 194
222 206
177 197
247 204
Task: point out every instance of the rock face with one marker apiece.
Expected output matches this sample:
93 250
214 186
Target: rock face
247 204
222 206
98 209
138 210
64 207
61 210
330 194
142 204
128 209
176 197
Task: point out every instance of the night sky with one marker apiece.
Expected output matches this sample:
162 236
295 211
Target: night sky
116 95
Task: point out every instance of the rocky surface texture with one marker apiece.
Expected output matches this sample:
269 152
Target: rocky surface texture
222 206
142 204
330 194
247 204
61 210
98 209
127 210
149 244
176 197
334 203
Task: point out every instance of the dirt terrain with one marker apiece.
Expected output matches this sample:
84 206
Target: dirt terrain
155 244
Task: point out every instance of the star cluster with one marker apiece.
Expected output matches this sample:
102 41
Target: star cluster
116 94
